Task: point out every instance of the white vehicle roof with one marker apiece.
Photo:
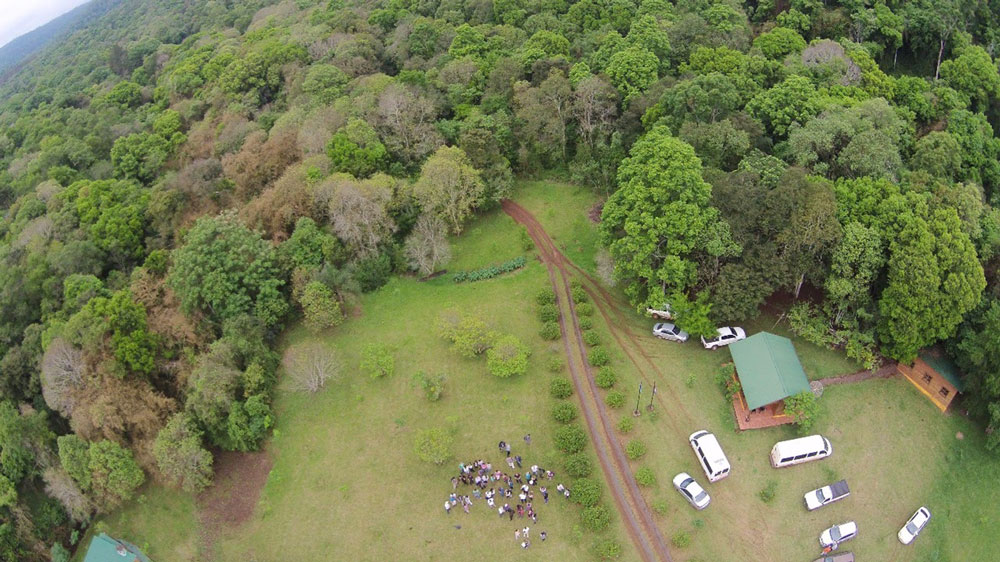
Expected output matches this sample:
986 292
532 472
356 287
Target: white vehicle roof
802 445
710 447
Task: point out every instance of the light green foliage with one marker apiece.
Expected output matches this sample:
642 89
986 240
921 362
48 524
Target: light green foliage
973 74
750 73
133 345
767 494
308 247
693 316
571 438
74 456
645 477
626 424
596 518
468 42
938 154
560 387
507 357
681 539
180 455
257 76
586 492
8 493
224 269
139 156
606 377
632 71
114 213
357 150
550 331
615 399
543 44
646 32
803 407
579 465
608 549
980 149
598 356
449 186
431 385
20 437
433 445
320 307
324 83
377 360
125 94
114 473
59 553
248 423
564 412
471 337
791 101
659 218
635 449
779 42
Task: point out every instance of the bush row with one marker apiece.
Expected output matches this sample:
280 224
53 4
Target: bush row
491 271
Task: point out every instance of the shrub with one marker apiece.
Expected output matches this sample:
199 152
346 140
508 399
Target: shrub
491 271
320 307
377 360
433 445
560 387
661 506
586 492
579 465
596 518
527 244
729 385
507 357
768 492
681 539
548 313
586 323
626 424
645 476
545 296
606 377
615 399
591 338
564 412
579 295
431 385
607 549
471 337
598 357
585 309
803 408
554 364
635 449
59 553
571 438
550 331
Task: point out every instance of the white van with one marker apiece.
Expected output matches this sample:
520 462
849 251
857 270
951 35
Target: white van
713 460
803 449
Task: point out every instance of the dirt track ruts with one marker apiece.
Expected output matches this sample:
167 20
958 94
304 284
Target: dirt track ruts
638 518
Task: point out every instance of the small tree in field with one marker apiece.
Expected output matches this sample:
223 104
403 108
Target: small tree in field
803 408
320 307
507 357
310 365
433 445
427 246
377 360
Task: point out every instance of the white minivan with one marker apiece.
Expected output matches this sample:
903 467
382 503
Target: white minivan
797 451
710 456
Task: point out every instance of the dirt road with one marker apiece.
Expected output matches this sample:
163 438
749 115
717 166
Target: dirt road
638 518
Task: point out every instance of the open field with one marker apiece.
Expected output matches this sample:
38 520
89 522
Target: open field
347 485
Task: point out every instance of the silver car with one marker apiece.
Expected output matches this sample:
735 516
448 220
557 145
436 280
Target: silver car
692 491
671 332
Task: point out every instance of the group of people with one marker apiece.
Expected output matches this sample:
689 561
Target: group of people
501 489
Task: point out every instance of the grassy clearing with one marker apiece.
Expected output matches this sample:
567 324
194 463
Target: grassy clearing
562 209
893 446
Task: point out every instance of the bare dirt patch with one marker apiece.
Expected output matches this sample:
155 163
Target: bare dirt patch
231 500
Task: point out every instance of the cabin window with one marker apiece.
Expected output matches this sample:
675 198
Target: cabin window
813 454
927 378
944 392
786 459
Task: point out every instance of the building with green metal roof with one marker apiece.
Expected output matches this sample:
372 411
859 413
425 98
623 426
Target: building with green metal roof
768 368
103 548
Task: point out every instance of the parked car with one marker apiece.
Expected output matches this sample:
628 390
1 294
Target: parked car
726 336
692 491
842 557
670 332
662 313
827 495
710 456
838 534
914 525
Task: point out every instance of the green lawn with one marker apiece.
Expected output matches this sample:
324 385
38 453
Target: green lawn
894 447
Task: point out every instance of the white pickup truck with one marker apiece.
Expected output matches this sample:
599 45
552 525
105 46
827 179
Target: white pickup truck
662 313
826 495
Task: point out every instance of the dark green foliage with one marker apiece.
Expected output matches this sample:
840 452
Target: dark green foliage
579 465
114 473
564 412
645 477
585 323
545 296
373 272
768 492
579 295
591 338
606 377
596 518
586 492
431 385
607 549
560 387
548 313
490 272
571 438
626 424
584 309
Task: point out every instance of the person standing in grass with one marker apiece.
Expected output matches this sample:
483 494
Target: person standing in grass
527 439
544 536
507 448
447 507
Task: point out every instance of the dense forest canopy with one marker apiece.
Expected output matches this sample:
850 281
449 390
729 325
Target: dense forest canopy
180 180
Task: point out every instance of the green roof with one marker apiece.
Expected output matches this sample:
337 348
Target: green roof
946 368
105 549
769 369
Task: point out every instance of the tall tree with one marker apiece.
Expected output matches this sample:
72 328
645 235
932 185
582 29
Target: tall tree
449 186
